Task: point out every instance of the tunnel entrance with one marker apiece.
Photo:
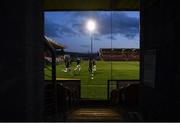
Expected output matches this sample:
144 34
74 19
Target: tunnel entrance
114 59
112 48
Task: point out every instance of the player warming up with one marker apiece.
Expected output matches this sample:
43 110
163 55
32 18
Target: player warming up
67 63
94 65
90 68
78 67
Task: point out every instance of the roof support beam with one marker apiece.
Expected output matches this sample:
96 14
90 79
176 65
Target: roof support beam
60 5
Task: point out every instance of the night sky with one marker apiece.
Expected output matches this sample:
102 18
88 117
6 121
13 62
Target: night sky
117 29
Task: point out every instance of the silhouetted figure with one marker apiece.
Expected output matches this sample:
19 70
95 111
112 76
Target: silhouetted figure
90 68
78 67
67 63
94 65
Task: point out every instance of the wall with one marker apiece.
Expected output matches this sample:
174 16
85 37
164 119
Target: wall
159 26
21 65
21 68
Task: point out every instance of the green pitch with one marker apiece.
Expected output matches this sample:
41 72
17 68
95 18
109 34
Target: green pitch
96 88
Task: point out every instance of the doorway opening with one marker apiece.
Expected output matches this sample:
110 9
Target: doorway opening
97 59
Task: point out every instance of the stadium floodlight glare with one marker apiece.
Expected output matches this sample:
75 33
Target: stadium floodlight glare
91 25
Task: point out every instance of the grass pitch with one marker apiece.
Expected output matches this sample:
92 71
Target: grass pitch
96 88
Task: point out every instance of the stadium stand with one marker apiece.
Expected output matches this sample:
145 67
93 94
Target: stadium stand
59 96
108 54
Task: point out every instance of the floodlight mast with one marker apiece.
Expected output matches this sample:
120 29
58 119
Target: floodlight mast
91 26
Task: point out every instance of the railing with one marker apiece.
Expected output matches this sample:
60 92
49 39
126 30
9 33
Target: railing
118 84
75 87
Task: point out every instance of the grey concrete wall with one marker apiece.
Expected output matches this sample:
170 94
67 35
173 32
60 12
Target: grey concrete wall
159 31
21 65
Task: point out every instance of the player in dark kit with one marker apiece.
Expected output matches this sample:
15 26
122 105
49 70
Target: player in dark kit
78 67
90 68
67 63
94 65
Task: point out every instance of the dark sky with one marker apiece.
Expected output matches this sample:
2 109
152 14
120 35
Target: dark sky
117 29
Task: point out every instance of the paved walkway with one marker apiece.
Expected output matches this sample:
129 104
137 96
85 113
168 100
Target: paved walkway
95 114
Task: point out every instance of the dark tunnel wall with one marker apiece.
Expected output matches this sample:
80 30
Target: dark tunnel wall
21 65
159 26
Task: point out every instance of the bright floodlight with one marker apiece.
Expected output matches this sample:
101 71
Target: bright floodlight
91 25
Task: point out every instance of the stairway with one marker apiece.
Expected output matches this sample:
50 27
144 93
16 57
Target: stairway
88 114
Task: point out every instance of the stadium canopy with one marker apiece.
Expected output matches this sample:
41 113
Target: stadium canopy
58 5
54 43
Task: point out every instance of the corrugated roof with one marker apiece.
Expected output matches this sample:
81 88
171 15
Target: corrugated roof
54 43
